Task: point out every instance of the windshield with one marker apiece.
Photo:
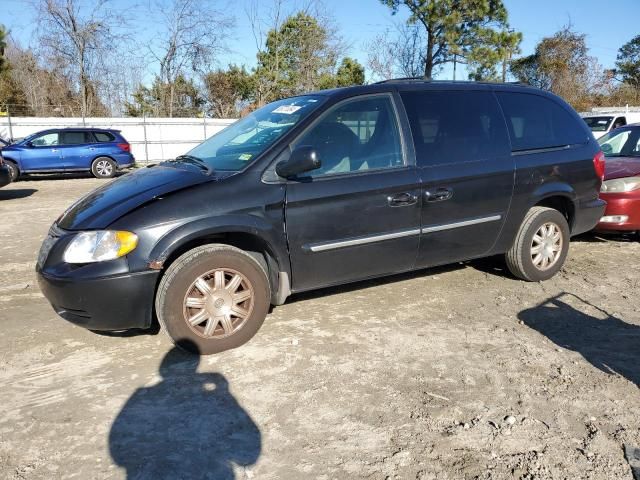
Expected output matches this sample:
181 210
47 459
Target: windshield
621 143
238 145
598 124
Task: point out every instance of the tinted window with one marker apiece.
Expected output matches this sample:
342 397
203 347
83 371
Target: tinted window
356 135
535 121
45 140
455 126
598 124
75 138
104 136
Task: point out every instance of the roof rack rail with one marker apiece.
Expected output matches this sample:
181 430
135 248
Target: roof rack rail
424 79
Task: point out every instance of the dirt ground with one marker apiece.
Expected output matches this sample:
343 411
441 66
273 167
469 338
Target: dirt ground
455 372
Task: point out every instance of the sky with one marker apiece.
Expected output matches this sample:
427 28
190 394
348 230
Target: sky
608 25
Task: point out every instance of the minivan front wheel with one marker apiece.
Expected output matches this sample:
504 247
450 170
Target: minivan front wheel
103 167
541 245
213 298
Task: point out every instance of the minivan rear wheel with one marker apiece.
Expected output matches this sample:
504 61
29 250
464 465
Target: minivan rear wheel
541 245
103 167
213 298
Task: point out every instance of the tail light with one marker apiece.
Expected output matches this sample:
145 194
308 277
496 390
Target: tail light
125 147
598 164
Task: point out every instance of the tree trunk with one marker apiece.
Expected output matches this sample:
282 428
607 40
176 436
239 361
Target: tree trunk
428 61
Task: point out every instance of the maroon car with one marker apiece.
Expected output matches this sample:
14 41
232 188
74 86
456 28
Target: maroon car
621 186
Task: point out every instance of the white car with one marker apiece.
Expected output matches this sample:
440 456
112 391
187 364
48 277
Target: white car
602 123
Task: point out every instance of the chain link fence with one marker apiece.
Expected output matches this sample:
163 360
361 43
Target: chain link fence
152 139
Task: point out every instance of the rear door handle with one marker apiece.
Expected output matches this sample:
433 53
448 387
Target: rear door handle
402 199
439 194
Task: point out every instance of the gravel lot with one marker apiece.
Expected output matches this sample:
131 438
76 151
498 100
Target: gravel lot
455 372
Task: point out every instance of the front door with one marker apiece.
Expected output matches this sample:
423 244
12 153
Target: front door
467 172
358 215
43 153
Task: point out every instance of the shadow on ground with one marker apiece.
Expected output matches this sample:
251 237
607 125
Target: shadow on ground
607 342
16 193
187 426
38 177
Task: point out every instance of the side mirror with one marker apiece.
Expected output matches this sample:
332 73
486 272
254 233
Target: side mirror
303 159
29 144
606 148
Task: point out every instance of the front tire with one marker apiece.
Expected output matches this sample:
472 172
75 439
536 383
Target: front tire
103 167
14 173
213 298
541 245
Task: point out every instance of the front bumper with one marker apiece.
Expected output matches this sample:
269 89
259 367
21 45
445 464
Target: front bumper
5 176
118 302
626 204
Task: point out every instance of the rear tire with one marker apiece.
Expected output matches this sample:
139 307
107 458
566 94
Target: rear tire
103 167
14 172
541 245
213 298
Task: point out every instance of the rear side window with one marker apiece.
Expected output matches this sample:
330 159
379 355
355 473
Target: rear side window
455 126
76 138
104 136
536 122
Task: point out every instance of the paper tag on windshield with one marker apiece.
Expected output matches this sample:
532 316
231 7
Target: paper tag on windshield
287 109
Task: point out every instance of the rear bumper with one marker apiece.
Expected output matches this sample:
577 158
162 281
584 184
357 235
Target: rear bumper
588 215
627 204
117 302
5 176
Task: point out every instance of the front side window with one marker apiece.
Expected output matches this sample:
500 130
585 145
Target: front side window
455 126
46 140
621 143
241 143
537 122
356 135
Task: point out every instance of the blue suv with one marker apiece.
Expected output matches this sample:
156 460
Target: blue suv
102 152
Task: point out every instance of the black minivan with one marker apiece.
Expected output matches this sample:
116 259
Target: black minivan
322 189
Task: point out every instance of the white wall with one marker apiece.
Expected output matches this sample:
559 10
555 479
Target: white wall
165 137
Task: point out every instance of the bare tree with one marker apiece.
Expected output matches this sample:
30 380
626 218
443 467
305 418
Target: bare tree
392 54
76 38
192 34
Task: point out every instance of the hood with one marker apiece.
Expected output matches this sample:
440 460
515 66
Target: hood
108 203
620 167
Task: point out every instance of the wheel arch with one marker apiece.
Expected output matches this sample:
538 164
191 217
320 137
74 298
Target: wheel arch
558 196
247 238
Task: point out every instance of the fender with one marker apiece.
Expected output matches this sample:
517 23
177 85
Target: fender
553 189
194 231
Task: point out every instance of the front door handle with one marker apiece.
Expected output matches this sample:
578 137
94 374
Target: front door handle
54 150
402 200
439 194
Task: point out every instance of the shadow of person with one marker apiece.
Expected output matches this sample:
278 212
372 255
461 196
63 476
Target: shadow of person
607 342
187 426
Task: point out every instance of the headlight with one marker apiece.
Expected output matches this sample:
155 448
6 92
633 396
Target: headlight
621 185
88 247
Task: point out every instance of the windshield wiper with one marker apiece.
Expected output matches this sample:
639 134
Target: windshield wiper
194 161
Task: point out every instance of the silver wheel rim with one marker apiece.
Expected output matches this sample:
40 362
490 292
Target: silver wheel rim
546 246
104 168
218 303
